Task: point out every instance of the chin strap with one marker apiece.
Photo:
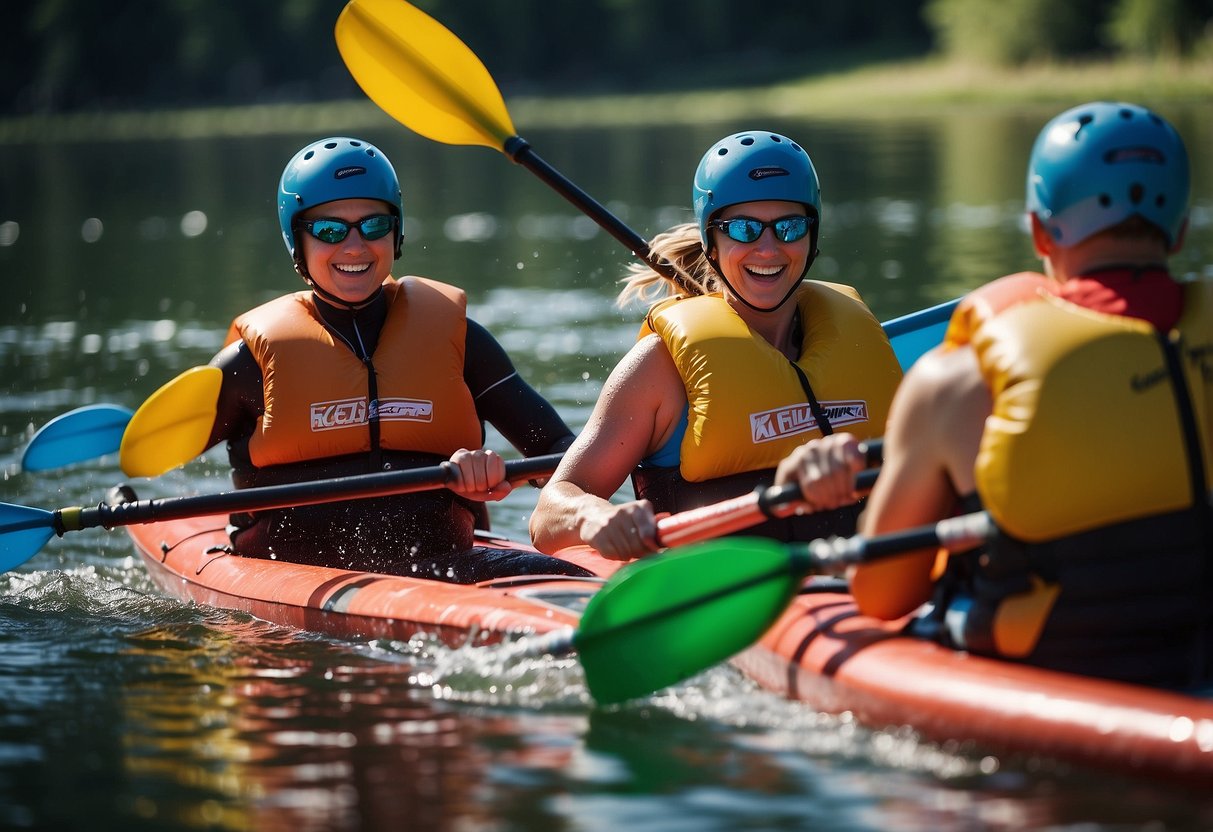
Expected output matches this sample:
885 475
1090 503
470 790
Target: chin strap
783 300
352 306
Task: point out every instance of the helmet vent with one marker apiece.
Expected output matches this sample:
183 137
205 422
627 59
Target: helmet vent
1105 200
747 141
309 154
1136 192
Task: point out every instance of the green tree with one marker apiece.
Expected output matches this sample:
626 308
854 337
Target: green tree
1153 28
1014 32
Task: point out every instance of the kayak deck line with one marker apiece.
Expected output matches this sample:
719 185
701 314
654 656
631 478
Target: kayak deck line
340 600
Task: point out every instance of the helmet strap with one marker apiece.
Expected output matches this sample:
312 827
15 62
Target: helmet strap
341 302
741 297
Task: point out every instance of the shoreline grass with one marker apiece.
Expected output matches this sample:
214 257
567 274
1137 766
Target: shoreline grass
901 87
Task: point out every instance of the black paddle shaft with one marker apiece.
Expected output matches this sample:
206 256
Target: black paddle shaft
520 151
833 555
265 498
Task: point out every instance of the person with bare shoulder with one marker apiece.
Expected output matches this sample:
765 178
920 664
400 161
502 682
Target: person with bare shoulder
1076 407
740 360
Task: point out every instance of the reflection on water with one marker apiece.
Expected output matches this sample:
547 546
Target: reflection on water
124 263
287 740
155 715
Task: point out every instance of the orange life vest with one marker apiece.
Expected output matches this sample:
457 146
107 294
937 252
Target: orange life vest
316 400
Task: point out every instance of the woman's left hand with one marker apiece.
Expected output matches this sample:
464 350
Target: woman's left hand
825 468
479 475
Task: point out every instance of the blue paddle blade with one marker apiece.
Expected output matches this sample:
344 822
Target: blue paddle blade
912 335
76 436
23 531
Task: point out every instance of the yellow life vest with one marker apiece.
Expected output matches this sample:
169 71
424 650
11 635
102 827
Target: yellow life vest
747 407
1068 386
316 402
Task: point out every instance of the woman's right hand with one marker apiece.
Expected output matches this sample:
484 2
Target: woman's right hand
621 532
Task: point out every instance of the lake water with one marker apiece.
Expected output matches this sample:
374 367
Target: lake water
123 262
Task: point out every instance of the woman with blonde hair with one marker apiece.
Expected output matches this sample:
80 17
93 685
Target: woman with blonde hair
740 360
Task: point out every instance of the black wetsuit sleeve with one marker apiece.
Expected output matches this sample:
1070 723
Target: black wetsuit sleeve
503 398
241 396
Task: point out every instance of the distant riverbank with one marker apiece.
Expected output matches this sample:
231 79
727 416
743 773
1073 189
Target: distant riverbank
870 91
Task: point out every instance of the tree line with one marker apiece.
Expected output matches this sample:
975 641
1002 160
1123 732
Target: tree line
73 55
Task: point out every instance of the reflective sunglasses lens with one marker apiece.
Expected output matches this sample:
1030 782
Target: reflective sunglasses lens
743 230
791 229
328 231
376 227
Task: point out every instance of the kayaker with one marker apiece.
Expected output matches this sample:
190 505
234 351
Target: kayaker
363 373
740 359
1076 406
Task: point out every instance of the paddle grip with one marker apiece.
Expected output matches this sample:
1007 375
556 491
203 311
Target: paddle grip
780 501
519 150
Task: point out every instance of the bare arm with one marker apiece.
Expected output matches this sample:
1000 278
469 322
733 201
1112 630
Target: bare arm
930 446
636 412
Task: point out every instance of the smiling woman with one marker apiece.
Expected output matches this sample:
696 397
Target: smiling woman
345 267
326 383
737 367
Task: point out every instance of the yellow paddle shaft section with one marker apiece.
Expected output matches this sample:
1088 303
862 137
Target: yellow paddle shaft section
420 74
172 426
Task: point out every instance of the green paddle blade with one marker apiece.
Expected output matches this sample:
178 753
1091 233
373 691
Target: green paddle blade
23 531
84 433
665 618
420 74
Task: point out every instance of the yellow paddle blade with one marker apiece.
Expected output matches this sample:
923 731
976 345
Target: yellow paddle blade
172 426
420 74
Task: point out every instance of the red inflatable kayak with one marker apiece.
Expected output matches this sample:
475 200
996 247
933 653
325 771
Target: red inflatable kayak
821 651
188 559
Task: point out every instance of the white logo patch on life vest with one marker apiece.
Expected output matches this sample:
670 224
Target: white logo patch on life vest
343 413
346 413
770 425
406 410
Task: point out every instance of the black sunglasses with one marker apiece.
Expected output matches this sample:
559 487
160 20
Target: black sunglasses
747 229
329 230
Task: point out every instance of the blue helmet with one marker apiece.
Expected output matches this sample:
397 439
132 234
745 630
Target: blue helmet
752 166
336 168
1096 165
